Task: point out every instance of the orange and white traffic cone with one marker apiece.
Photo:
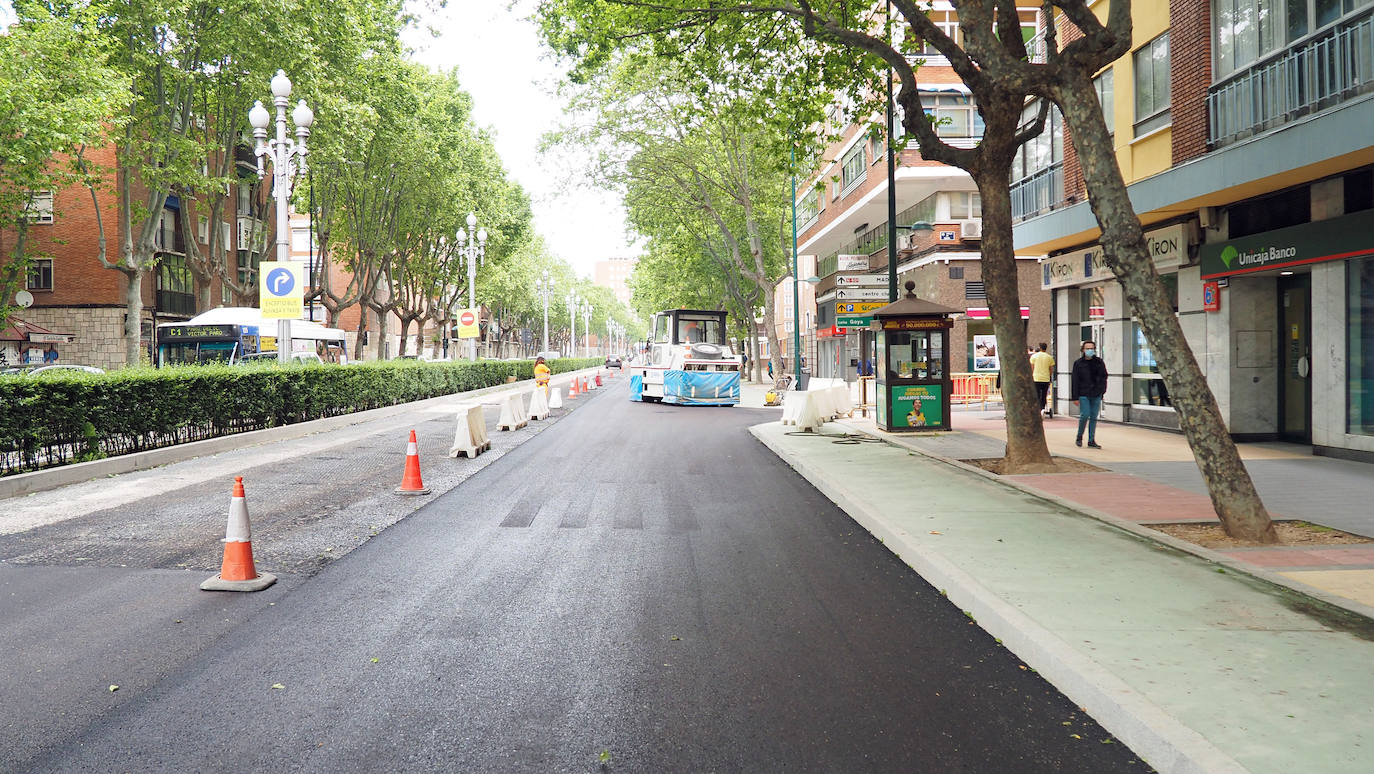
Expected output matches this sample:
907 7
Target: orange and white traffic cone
585 386
572 389
238 572
411 484
598 379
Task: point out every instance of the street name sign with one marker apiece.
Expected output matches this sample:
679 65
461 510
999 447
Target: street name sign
861 294
281 290
870 280
853 320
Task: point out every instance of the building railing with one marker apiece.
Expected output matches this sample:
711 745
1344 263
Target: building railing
1311 76
1038 192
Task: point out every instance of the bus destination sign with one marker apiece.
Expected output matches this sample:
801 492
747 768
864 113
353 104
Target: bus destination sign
198 332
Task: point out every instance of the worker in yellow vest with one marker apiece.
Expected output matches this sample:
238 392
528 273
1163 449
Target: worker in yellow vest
542 374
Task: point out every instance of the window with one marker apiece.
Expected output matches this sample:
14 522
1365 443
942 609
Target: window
809 207
1245 30
245 196
1152 85
226 295
1045 149
226 238
1102 84
167 231
203 229
948 22
300 239
40 274
877 148
39 208
955 115
1360 346
853 170
964 204
1147 388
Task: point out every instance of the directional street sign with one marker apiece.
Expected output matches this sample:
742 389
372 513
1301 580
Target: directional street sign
857 307
852 280
853 321
281 289
861 294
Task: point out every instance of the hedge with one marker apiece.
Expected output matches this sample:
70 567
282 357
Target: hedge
72 417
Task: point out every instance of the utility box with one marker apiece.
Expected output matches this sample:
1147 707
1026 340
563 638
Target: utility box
912 374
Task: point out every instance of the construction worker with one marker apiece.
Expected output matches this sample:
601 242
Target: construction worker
542 374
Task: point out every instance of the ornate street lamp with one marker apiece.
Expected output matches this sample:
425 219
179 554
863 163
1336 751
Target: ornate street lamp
288 161
474 249
544 287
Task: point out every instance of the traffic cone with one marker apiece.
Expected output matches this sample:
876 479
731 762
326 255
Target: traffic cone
572 389
585 387
237 572
598 379
410 481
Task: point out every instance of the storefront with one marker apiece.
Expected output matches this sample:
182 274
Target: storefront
1088 305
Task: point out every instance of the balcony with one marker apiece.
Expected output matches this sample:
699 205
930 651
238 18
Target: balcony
1037 193
1325 70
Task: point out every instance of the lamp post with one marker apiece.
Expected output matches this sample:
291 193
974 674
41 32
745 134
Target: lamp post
610 331
475 249
544 287
587 330
573 301
288 161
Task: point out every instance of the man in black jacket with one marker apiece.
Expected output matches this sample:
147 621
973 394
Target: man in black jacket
1087 385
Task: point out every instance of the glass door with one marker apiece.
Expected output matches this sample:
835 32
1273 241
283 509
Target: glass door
1295 357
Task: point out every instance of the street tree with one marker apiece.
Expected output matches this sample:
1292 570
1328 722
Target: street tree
992 59
59 97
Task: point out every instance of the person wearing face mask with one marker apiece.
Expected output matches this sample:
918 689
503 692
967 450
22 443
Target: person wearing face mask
1087 385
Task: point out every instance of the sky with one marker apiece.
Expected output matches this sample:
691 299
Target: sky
502 64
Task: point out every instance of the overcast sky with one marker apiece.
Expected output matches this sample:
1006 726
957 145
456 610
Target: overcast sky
499 61
501 64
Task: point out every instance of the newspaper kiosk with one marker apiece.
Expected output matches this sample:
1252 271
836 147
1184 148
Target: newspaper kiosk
912 374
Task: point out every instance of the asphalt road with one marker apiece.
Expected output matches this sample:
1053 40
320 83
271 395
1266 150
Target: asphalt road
635 588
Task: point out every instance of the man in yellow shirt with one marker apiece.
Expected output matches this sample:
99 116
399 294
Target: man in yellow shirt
1042 373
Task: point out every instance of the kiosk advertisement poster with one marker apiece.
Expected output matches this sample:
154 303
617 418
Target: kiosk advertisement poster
985 353
917 406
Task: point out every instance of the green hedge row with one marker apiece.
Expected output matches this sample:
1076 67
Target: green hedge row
54 420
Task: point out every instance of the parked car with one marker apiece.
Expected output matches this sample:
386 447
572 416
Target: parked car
613 361
64 368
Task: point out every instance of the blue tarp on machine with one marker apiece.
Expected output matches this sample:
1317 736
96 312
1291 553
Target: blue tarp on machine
636 387
701 388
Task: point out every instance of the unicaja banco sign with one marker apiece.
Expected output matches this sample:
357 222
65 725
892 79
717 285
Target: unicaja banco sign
1350 236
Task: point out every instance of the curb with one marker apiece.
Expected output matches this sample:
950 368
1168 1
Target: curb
1154 735
64 475
1145 533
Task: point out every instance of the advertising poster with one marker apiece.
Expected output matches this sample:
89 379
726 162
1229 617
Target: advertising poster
985 353
918 406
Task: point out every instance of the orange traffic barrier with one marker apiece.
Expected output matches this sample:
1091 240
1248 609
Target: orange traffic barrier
411 483
237 571
572 389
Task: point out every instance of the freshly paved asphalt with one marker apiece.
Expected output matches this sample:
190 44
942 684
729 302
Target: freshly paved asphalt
638 588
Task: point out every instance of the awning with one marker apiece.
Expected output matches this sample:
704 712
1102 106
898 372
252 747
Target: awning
18 330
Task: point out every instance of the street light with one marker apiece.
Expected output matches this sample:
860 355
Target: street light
573 301
587 330
475 249
610 331
544 287
288 161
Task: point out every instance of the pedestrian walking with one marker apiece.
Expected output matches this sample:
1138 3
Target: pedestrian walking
1042 372
1087 385
541 374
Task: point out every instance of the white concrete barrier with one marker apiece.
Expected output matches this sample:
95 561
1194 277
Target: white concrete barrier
555 396
539 404
470 437
513 416
803 409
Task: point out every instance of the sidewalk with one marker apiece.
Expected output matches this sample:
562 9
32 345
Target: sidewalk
1197 666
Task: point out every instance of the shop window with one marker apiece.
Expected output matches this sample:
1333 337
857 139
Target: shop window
1147 387
1359 379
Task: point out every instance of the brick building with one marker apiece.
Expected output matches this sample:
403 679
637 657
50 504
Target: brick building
1242 129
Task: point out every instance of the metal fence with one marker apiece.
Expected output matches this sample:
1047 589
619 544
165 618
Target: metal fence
1321 72
1038 192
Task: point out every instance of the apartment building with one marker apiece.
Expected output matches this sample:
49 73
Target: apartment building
1242 127
614 273
842 223
84 303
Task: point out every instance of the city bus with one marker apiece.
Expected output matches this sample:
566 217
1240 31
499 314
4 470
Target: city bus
687 361
228 334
